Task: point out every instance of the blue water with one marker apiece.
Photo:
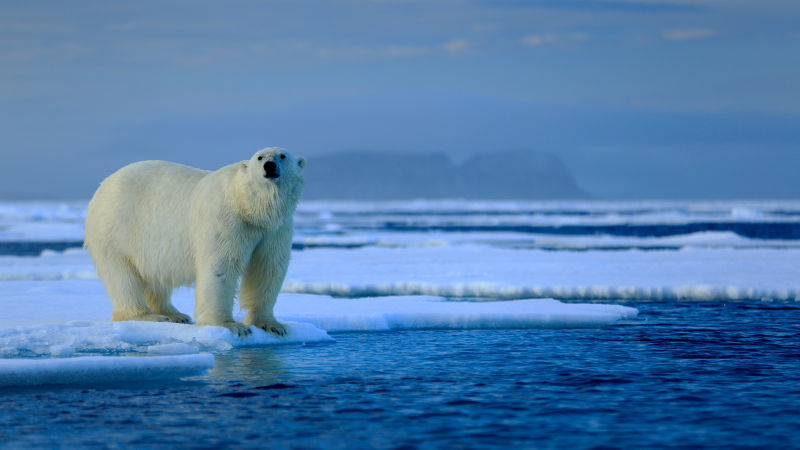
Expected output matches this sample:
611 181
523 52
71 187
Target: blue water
682 375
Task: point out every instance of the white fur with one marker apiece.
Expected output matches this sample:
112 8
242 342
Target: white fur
154 226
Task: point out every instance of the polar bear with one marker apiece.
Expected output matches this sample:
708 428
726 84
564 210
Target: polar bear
154 226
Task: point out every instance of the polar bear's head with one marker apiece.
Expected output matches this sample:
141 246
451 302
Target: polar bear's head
275 166
269 186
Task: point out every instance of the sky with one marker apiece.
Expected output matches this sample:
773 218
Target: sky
693 99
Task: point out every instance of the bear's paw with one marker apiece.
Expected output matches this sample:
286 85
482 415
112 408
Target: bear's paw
179 318
152 318
238 329
273 327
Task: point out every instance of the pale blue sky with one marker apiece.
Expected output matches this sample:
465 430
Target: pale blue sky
658 99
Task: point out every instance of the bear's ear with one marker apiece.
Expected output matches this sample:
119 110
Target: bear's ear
302 162
243 166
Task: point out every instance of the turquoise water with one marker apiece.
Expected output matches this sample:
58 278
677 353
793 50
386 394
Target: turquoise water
682 375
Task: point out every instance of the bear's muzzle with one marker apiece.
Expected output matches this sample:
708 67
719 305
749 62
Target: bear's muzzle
271 170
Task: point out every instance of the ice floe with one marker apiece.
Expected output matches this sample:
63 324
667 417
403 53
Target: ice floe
493 273
82 336
477 271
42 231
43 221
72 264
472 212
530 241
100 369
50 310
173 349
384 270
421 312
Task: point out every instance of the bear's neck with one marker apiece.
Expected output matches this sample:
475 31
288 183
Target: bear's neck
264 206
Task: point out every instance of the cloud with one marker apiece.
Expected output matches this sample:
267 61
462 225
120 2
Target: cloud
688 33
597 5
455 46
360 52
536 40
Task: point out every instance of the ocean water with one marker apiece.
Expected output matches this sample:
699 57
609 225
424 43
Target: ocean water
711 361
681 375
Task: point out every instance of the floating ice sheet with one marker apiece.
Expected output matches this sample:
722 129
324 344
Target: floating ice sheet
344 214
46 317
100 369
483 272
42 231
75 264
52 221
72 264
64 339
40 320
414 313
480 272
173 349
706 239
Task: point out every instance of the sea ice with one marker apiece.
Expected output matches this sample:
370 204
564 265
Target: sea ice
100 369
50 318
51 339
494 273
554 213
72 264
55 311
42 231
420 312
477 271
173 349
43 221
516 240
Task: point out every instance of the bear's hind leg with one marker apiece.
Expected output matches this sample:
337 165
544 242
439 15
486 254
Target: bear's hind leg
159 300
125 289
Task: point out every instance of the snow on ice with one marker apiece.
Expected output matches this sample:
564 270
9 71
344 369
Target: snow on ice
64 317
493 273
476 271
421 312
83 336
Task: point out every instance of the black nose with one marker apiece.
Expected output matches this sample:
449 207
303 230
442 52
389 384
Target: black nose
271 169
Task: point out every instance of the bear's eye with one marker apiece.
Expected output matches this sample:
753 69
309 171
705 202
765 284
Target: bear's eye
260 158
283 156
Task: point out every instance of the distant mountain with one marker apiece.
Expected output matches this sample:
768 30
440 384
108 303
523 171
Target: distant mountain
514 175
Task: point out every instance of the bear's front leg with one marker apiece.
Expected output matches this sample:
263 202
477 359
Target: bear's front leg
214 294
262 281
255 296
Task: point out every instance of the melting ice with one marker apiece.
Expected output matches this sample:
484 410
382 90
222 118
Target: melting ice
398 266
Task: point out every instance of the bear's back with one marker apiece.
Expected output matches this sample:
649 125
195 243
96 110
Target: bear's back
152 177
144 213
147 188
